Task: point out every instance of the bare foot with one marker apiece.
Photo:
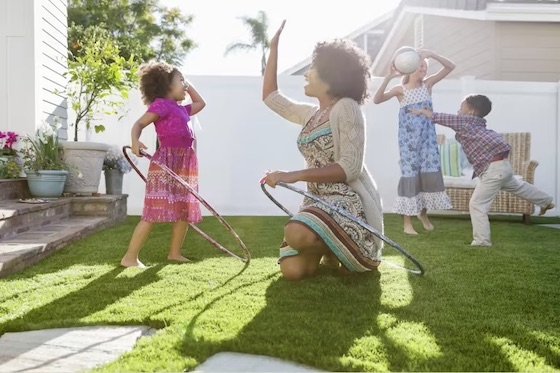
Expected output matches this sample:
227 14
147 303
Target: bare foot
127 262
426 222
410 230
330 260
178 258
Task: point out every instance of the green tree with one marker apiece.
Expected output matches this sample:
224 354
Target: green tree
99 79
141 28
258 27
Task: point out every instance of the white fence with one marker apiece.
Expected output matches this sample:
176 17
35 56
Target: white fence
241 137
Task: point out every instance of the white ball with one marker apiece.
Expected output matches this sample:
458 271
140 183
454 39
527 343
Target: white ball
406 60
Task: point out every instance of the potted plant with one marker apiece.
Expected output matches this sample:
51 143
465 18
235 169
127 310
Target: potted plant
9 166
43 163
115 166
98 84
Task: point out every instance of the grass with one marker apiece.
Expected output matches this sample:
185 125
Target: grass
476 309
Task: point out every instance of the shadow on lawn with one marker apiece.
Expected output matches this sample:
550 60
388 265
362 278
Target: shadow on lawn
491 309
473 311
328 313
67 311
108 246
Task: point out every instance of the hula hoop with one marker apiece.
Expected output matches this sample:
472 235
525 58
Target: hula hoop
419 270
228 227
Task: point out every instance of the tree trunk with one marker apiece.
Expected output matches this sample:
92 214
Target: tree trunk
263 63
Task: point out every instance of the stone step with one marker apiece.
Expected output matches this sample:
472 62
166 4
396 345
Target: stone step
29 247
29 232
17 217
67 350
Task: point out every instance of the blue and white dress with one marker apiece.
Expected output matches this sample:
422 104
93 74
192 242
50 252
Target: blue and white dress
421 182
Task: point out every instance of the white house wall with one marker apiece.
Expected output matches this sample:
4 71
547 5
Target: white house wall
469 43
241 138
528 51
32 61
17 72
52 56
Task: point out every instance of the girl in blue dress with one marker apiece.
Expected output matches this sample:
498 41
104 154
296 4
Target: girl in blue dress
421 183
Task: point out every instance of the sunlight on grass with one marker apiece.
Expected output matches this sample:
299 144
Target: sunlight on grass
386 321
396 291
412 338
371 349
552 342
416 339
379 321
521 359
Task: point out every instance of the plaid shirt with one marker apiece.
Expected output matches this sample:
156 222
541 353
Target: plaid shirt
479 143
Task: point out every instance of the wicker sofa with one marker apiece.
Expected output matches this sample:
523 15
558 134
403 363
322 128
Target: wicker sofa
460 189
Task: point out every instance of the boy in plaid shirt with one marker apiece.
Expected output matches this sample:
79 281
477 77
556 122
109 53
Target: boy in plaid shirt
487 151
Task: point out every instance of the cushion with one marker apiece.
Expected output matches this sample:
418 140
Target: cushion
451 159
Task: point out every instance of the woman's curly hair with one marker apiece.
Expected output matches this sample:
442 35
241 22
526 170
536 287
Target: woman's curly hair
155 80
344 67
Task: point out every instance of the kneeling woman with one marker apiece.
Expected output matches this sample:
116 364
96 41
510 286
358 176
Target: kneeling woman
332 141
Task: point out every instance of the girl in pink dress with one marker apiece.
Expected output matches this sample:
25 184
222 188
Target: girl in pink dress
166 200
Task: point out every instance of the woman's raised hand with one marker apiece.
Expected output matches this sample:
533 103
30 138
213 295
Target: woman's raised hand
276 37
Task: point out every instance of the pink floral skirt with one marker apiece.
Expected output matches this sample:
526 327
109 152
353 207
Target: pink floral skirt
166 199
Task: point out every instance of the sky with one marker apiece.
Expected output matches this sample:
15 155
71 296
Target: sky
216 25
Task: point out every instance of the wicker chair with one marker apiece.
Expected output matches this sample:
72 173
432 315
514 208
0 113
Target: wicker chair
505 202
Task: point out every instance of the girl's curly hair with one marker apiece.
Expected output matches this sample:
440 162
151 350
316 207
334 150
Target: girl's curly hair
344 67
155 80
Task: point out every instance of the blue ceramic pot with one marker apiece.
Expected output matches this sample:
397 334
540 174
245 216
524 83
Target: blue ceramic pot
46 183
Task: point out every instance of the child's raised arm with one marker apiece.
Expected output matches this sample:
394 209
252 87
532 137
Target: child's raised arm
382 93
448 67
197 103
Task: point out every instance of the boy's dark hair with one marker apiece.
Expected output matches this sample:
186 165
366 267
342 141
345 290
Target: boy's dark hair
155 79
480 104
344 67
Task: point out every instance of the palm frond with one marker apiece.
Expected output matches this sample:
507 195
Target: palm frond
258 27
236 47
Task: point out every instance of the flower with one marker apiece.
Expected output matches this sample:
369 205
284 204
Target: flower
44 151
115 160
7 141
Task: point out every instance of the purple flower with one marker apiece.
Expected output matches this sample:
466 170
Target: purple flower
12 139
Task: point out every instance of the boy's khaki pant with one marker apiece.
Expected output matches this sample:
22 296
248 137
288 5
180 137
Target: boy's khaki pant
498 176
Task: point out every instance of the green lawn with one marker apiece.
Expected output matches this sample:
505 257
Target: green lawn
476 309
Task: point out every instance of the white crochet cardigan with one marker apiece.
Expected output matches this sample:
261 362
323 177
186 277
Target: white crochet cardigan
348 127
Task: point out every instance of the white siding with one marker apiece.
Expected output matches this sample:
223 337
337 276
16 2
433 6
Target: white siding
529 51
17 74
32 60
521 51
468 43
53 58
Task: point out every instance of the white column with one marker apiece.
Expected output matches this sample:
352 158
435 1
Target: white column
557 178
37 63
17 66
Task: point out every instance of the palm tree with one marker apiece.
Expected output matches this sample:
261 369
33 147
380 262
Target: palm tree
258 27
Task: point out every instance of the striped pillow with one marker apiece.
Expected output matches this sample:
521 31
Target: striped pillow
450 157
